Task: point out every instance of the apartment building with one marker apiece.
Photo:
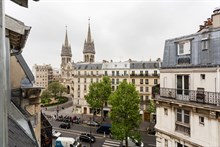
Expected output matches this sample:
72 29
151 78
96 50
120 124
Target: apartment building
188 107
43 75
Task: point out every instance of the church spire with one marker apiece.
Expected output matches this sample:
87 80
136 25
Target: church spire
66 39
89 40
89 48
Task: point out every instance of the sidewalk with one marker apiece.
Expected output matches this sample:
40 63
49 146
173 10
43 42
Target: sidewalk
68 111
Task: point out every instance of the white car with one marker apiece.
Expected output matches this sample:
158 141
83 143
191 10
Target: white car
56 134
133 143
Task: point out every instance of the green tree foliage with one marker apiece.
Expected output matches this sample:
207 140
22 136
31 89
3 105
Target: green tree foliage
46 94
62 89
99 93
151 107
55 88
125 112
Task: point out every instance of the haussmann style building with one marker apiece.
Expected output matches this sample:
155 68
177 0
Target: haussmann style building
188 107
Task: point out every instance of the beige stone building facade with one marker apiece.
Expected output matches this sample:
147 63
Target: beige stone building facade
43 75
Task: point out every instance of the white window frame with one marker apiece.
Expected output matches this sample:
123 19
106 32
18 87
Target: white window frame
184 47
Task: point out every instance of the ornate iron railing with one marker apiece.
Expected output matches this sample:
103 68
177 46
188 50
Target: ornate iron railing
212 98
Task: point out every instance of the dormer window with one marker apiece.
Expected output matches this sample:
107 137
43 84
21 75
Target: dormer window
205 41
184 47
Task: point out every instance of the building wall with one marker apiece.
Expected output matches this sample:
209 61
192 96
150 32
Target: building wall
211 82
43 75
17 73
166 123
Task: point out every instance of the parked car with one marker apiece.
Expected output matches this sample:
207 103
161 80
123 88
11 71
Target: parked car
56 134
92 123
104 128
65 125
133 143
67 142
87 137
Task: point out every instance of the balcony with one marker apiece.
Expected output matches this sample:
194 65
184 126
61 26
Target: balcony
210 98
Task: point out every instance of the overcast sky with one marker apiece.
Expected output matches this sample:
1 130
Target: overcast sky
121 29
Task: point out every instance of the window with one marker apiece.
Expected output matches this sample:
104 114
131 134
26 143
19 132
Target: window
92 73
133 81
84 80
141 73
117 73
201 120
78 94
78 87
113 81
117 81
165 142
180 145
125 73
113 73
165 111
182 116
205 45
133 73
141 89
146 89
182 124
78 72
106 73
184 47
155 73
146 73
141 81
113 88
91 80
202 76
85 87
146 81
78 80
183 84
141 98
155 81
84 72
97 80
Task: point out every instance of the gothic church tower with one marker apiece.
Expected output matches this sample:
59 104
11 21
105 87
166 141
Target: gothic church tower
66 53
89 49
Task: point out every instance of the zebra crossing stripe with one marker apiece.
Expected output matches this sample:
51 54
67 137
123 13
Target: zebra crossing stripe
110 143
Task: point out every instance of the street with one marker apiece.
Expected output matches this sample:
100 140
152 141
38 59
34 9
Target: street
77 129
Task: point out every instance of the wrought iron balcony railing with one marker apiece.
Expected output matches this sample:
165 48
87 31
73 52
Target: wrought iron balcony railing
204 97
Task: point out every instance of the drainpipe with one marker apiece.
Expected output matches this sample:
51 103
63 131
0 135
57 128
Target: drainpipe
4 80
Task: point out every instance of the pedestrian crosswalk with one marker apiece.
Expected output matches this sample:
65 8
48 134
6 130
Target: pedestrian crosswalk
111 143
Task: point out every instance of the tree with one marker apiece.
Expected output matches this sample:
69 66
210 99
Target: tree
151 107
125 112
62 89
46 94
55 88
99 93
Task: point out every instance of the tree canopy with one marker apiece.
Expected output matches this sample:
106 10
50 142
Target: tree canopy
99 93
125 112
56 87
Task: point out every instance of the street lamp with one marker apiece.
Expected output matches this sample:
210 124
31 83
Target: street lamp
90 143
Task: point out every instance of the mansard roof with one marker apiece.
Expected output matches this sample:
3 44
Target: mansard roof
198 57
88 66
145 65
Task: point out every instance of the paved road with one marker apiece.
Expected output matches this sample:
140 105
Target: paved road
148 140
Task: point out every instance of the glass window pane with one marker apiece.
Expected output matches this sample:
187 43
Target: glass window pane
179 84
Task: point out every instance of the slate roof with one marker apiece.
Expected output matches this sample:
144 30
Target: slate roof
145 65
88 66
20 131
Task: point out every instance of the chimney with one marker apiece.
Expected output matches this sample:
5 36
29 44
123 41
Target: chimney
216 18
